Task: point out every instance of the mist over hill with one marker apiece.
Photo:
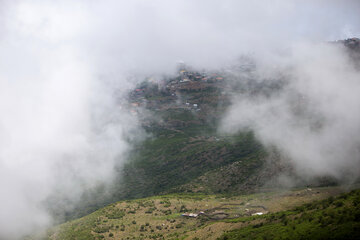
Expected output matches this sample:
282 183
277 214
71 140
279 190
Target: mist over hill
189 148
111 100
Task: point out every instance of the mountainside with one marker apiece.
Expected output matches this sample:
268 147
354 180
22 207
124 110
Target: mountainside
182 149
179 119
185 152
196 216
333 218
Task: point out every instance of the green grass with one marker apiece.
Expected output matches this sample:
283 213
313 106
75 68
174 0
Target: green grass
337 218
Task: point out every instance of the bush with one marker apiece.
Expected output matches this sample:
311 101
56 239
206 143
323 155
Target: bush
167 212
179 225
102 229
339 203
116 214
149 211
122 228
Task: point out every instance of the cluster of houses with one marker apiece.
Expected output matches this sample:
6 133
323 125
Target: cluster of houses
186 79
191 76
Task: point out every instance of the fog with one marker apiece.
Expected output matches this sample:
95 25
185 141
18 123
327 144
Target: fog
66 65
313 118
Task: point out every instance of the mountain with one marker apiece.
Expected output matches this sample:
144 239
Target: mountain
185 165
183 150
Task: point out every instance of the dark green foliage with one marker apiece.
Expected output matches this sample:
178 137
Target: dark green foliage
166 212
101 229
179 225
183 208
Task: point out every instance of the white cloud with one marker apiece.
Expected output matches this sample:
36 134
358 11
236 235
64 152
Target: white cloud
61 61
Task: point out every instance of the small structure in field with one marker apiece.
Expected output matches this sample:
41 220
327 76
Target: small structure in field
257 214
192 215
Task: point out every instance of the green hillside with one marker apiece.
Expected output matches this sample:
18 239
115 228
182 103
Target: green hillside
183 165
333 218
284 215
182 150
184 144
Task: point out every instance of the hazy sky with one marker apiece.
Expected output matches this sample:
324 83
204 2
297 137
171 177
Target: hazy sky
61 61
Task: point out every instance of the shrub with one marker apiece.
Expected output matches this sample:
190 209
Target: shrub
116 214
339 203
183 208
149 211
179 225
102 229
167 212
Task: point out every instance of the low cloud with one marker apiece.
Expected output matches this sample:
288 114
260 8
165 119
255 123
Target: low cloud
66 65
312 116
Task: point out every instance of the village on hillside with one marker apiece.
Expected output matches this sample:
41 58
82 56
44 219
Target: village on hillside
169 93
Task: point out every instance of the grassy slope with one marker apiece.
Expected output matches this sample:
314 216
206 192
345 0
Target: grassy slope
333 218
160 217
